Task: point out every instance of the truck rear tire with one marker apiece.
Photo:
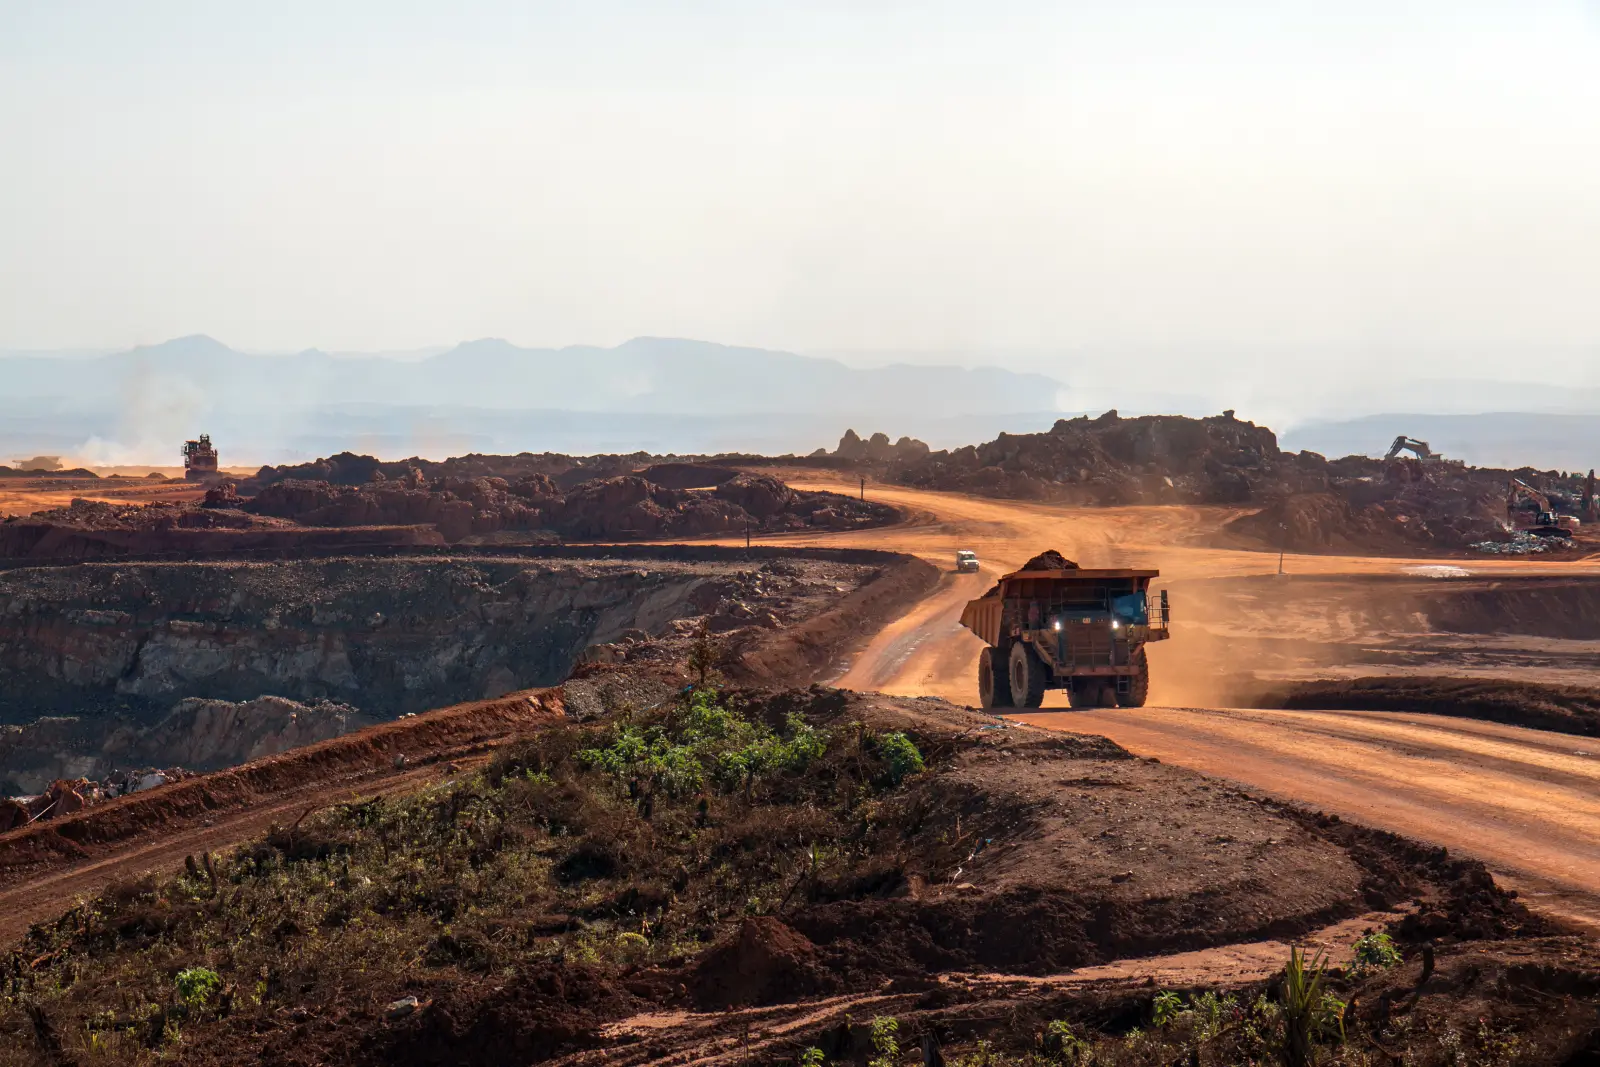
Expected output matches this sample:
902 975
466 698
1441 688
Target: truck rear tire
1138 683
1086 693
1027 676
994 683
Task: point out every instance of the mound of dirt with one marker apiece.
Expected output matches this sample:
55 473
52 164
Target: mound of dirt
546 1009
766 962
1404 521
1110 460
457 507
348 468
1563 708
687 475
627 507
1303 501
534 508
156 517
1049 560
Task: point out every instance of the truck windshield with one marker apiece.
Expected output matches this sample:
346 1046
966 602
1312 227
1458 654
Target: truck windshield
1131 609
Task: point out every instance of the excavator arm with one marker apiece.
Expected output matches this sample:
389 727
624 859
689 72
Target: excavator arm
1520 491
1409 444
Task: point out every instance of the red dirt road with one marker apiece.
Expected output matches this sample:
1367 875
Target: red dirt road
1525 802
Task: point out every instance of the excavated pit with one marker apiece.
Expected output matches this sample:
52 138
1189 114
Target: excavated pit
96 657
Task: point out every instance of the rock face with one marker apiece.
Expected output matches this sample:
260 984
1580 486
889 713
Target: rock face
203 735
199 735
877 449
629 508
384 635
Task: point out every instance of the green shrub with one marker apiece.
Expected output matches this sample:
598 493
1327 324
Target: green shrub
707 741
1060 1043
1310 1012
1165 1008
1374 951
901 755
885 1041
197 985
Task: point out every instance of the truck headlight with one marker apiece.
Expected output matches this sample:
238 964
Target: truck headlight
1115 625
1056 624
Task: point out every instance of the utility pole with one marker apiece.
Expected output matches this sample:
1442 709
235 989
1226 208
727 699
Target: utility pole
863 487
747 533
1283 541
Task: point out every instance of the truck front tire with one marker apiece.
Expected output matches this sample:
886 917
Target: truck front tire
1027 676
994 683
1138 683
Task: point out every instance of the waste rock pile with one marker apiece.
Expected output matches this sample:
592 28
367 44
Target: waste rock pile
1299 501
625 507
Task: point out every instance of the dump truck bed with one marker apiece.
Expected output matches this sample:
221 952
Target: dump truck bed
1053 590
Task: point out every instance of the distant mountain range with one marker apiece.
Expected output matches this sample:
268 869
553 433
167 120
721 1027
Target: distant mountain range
665 395
658 394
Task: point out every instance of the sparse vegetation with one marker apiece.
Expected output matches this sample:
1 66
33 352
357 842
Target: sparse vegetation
901 754
642 838
885 1042
1310 1012
1374 951
197 985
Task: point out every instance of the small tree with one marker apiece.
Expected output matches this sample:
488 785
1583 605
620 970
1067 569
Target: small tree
885 1041
704 655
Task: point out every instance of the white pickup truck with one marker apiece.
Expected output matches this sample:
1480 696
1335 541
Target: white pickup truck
966 562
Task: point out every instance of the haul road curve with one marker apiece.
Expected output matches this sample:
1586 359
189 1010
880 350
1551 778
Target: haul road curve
1526 802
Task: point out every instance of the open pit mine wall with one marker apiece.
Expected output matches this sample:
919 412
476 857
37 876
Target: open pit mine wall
387 635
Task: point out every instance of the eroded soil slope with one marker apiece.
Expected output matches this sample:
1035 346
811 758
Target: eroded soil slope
575 889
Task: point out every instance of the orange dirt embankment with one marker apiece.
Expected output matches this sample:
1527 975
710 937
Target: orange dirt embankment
1569 709
320 770
805 652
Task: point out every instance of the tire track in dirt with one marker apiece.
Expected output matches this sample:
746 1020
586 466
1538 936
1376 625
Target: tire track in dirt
744 1035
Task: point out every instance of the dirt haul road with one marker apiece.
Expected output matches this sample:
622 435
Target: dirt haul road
1525 802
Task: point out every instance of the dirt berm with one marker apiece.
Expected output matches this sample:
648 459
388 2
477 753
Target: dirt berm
1567 709
546 907
342 763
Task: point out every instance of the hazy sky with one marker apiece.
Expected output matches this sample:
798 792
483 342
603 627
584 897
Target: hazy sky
1288 180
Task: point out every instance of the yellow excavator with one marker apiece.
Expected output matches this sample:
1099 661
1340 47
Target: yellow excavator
1546 522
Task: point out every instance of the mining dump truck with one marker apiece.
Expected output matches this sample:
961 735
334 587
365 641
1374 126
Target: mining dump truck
199 459
1055 625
